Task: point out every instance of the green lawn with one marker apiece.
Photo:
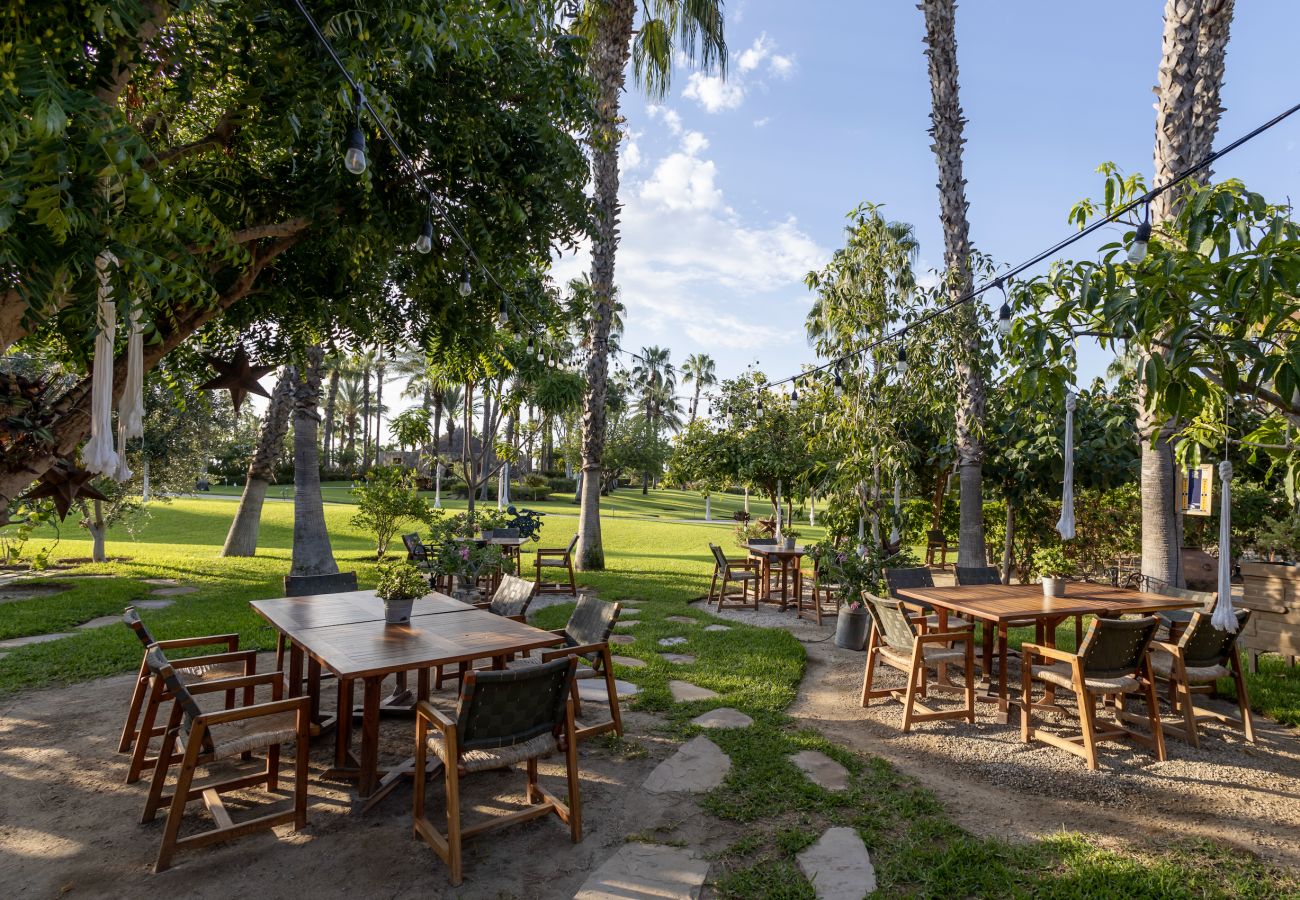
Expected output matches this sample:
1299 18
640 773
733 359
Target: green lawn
658 563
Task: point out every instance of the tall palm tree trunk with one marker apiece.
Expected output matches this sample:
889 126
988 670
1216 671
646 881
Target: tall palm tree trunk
241 540
312 554
609 58
379 406
330 400
947 122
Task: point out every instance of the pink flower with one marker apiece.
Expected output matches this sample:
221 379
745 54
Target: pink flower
464 553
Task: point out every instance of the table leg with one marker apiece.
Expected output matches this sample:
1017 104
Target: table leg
313 687
1002 671
370 736
295 670
343 739
941 676
986 638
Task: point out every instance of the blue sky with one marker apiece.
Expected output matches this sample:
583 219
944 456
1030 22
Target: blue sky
734 190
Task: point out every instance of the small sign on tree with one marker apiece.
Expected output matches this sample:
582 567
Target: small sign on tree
1197 489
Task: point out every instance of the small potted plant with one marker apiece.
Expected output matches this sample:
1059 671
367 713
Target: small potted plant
399 584
851 626
1053 567
790 537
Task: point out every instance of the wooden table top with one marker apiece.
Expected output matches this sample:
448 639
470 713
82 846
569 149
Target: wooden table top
322 610
1006 602
372 648
774 550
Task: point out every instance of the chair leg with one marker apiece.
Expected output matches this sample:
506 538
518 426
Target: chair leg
571 772
453 823
133 711
301 758
869 675
917 671
279 652
272 768
144 737
172 827
1153 710
1026 704
713 586
612 690
970 682
1243 697
1088 719
573 584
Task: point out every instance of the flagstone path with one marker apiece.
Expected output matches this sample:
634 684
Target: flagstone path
839 866
821 770
681 659
647 871
723 717
684 620
698 766
671 641
684 692
630 661
178 591
717 628
622 639
594 689
627 623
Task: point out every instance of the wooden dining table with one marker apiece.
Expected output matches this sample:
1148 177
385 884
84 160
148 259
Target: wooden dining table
788 561
998 605
346 634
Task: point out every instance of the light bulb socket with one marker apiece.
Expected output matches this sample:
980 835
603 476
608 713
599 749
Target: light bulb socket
466 286
424 243
355 157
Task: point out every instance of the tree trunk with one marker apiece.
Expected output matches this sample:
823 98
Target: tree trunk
695 400
329 415
608 63
379 407
312 554
1009 544
365 418
241 540
96 528
946 129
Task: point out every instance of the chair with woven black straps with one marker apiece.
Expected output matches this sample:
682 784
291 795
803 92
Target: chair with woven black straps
936 541
1201 656
896 641
1112 661
417 552
1176 620
501 719
310 586
146 698
195 738
915 577
556 558
511 599
826 591
742 572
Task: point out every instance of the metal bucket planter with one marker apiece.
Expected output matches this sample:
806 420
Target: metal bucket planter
851 628
398 612
789 543
1053 586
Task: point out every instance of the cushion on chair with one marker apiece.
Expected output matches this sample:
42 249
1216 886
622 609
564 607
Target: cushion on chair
199 674
497 757
1062 675
1163 663
933 656
233 738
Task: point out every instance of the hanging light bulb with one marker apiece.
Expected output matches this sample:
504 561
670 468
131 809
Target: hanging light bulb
424 243
794 395
760 404
355 157
839 383
466 286
1137 251
532 346
1004 314
900 366
503 317
541 353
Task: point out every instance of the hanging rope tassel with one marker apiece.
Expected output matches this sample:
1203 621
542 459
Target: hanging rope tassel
894 535
130 407
98 454
1224 618
1065 525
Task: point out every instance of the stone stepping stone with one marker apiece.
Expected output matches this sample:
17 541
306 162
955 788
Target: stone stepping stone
685 620
628 622
630 661
3 655
822 770
163 582
671 641
152 604
622 639
100 622
594 689
839 866
681 659
718 628
15 643
700 765
180 591
723 718
684 691
629 611
648 871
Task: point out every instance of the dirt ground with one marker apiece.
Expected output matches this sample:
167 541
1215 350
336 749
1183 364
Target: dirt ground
70 827
993 784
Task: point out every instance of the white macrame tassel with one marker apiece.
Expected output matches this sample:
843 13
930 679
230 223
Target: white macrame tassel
1065 525
130 406
98 454
1224 618
894 535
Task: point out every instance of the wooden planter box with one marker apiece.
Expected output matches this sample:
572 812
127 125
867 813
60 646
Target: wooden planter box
1272 593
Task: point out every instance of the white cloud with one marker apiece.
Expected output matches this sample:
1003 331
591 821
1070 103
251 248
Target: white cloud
758 60
753 57
682 181
693 142
713 92
782 66
670 117
759 123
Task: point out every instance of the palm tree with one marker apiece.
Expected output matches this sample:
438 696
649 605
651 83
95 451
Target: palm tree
696 29
1189 81
656 382
241 540
312 554
348 409
700 370
946 130
335 365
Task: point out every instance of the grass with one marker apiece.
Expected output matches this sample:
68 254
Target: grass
657 562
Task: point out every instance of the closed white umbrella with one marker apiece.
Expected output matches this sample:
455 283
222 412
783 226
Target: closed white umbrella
98 454
894 535
1224 618
130 407
1065 525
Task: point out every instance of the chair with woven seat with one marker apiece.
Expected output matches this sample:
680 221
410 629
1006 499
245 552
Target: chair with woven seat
142 714
1176 620
196 738
511 599
824 592
743 572
1112 660
417 552
896 641
556 558
501 719
936 541
915 577
1202 655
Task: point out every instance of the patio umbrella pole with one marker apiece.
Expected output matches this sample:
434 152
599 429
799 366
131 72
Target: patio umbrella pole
1224 619
1065 525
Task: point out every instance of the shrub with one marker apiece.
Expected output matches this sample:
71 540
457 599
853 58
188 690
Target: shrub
561 485
385 500
1051 562
399 580
530 491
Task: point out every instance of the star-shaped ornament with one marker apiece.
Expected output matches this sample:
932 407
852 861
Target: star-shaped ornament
237 376
63 483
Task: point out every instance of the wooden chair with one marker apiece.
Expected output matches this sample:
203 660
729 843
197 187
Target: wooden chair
823 593
309 586
556 558
1202 655
501 718
417 552
916 577
1112 660
896 641
744 572
147 697
936 540
512 598
202 738
1176 620
587 635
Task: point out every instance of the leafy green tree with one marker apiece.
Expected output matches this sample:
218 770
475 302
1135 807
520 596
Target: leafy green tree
412 428
699 460
385 500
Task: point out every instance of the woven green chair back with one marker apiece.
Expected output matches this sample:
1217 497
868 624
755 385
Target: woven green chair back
1205 599
160 666
892 622
592 622
1204 645
1114 648
719 557
899 579
310 585
512 597
512 706
132 620
968 575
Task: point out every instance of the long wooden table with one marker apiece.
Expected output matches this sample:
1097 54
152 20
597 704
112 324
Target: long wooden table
789 562
338 632
998 605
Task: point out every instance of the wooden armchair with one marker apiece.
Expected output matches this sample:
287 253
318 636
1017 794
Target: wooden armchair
137 732
1202 655
936 542
1112 660
916 577
203 738
512 598
417 552
501 718
744 572
1176 620
896 641
556 558
824 592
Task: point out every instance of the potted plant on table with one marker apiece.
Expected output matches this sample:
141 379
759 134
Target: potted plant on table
1053 567
789 538
399 584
